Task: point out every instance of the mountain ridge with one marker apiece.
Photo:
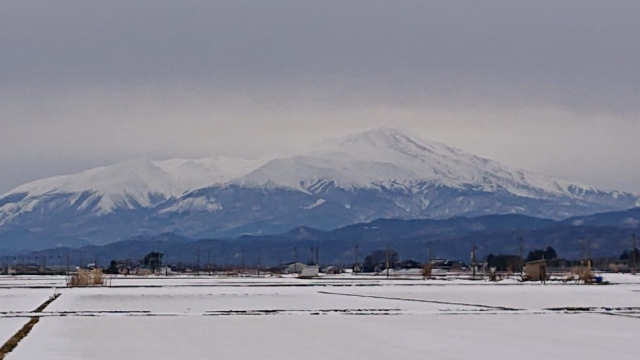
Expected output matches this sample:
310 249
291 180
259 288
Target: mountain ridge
381 173
414 239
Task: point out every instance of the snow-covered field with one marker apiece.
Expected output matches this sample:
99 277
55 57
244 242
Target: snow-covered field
334 317
14 303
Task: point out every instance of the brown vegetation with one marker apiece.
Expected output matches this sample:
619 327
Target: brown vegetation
85 278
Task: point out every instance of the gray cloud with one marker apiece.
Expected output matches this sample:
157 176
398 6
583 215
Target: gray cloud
549 86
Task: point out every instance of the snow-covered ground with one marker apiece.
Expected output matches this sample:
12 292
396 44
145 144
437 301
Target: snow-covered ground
333 317
22 299
15 303
9 326
331 337
43 282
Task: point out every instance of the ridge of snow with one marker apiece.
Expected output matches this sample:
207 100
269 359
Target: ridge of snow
130 184
315 204
388 157
200 203
374 159
129 176
192 174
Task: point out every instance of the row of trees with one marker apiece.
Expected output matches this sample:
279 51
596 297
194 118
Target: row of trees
378 258
151 261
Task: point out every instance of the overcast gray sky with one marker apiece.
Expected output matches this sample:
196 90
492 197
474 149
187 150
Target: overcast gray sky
549 86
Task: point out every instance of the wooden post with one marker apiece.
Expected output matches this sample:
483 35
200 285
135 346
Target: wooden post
387 261
521 255
633 254
473 259
259 260
198 260
356 264
243 263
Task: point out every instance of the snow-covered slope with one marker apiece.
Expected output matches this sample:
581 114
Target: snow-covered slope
388 157
138 183
382 173
191 174
131 184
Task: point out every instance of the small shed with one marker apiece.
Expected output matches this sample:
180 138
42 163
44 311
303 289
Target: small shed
309 272
536 270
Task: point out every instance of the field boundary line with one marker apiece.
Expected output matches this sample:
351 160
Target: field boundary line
13 341
424 301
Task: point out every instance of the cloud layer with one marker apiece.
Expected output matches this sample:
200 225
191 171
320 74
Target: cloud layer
548 86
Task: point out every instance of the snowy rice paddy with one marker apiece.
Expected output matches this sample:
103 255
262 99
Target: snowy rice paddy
333 317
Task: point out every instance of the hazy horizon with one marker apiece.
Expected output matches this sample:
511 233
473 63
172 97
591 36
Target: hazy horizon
550 87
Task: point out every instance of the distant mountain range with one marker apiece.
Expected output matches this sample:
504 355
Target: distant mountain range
595 236
378 174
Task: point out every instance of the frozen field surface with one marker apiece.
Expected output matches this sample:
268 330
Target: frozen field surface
9 326
334 317
22 300
15 305
584 336
11 282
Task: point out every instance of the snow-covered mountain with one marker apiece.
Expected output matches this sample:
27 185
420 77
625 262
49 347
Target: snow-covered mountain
389 158
382 173
190 174
133 184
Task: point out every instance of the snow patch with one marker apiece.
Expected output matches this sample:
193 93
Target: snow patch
201 203
315 204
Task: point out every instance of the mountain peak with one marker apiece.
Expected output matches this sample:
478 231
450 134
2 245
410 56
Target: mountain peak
383 138
390 157
381 134
379 173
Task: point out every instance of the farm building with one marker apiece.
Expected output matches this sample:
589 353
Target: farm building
309 271
536 270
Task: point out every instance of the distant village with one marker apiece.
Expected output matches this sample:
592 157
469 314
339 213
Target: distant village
539 265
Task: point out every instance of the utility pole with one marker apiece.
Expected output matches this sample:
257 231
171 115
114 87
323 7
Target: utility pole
259 260
295 259
521 245
209 261
387 261
356 264
198 260
473 259
243 263
521 249
633 254
318 256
